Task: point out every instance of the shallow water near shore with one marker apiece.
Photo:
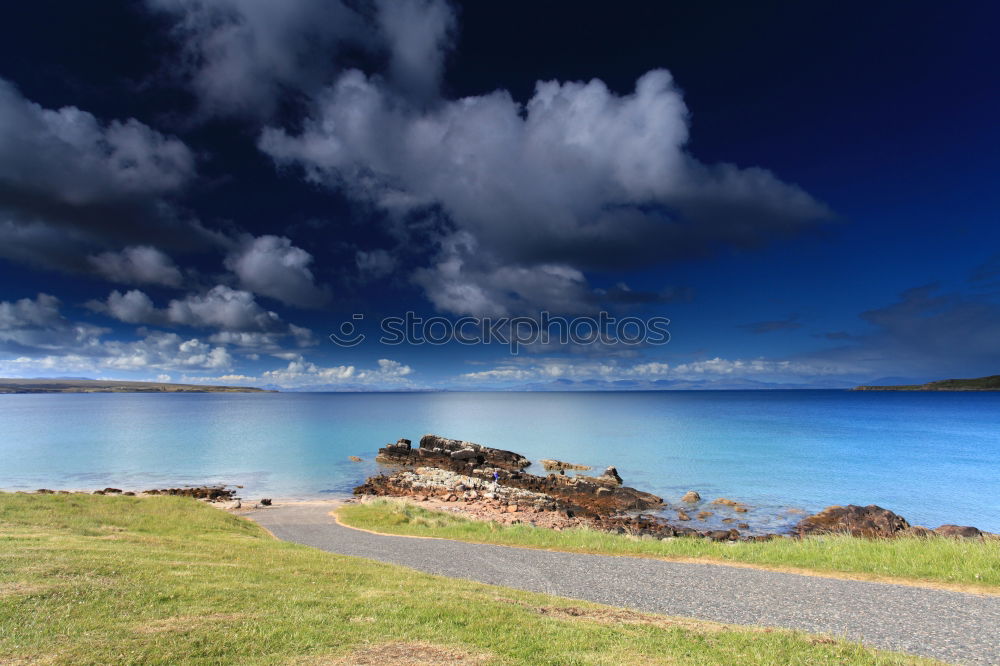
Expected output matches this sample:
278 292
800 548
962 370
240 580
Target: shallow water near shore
932 457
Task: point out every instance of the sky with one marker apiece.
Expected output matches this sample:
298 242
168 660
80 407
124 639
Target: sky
203 191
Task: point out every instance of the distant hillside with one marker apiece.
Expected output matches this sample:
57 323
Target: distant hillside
112 386
991 383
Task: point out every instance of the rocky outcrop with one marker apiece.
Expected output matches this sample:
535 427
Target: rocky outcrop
453 454
590 495
861 521
211 493
559 465
579 495
587 495
426 482
494 481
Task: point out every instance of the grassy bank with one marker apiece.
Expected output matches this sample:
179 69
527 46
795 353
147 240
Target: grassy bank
95 580
967 563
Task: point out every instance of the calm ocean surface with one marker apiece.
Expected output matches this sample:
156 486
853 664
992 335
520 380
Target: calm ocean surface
932 457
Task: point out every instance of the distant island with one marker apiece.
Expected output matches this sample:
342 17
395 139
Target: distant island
113 386
991 383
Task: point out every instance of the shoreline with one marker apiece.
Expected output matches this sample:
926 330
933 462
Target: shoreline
495 484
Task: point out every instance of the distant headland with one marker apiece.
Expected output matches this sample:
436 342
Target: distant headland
991 383
113 386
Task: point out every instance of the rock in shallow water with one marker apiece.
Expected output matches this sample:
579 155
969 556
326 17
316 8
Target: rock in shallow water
443 451
558 465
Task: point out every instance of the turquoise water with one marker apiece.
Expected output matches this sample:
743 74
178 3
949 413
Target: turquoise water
932 457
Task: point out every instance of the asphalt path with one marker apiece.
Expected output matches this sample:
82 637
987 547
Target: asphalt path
950 626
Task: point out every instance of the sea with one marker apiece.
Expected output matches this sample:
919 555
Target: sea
932 457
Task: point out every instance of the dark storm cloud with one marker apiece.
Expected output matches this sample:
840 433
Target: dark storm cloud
578 179
139 264
72 185
69 156
242 57
419 34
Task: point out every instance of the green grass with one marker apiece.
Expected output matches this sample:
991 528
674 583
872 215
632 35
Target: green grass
168 580
937 560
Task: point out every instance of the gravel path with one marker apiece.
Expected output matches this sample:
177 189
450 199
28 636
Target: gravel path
951 626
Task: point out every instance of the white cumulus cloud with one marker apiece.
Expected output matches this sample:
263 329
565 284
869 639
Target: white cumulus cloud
273 267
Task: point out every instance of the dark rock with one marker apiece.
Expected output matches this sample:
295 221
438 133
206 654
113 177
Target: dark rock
441 452
590 496
113 491
916 531
211 493
128 493
560 466
44 491
612 474
861 521
958 531
266 501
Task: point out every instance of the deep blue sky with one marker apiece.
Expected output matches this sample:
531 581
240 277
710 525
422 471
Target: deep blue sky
204 191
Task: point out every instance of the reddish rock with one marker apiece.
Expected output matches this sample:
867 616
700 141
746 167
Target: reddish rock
958 532
861 521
